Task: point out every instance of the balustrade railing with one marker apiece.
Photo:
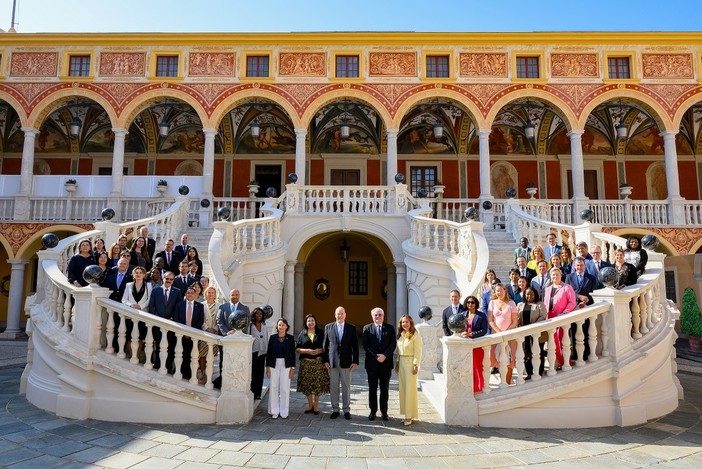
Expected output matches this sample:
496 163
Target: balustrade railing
557 211
357 200
692 213
630 212
521 223
7 208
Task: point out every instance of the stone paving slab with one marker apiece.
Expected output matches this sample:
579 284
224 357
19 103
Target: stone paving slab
30 437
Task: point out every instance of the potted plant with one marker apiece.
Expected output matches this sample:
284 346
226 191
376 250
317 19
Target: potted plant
162 186
625 190
439 188
253 188
70 185
691 319
531 189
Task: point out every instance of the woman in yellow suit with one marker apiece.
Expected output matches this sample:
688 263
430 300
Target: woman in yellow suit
409 351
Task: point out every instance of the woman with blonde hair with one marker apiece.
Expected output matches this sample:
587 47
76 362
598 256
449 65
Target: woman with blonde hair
502 316
409 351
537 254
211 304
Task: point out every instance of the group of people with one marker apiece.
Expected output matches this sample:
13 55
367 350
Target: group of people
328 356
546 282
168 284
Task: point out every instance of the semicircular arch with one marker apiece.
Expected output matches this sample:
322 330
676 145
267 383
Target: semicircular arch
655 110
684 107
435 93
47 229
9 99
560 107
47 105
244 96
641 232
345 93
130 112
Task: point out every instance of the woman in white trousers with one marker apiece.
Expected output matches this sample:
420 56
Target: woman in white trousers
280 368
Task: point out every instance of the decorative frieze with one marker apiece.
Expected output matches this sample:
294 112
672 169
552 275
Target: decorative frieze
483 65
392 64
122 64
574 66
34 64
211 64
667 65
302 64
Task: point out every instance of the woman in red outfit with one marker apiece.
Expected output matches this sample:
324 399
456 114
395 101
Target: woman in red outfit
476 326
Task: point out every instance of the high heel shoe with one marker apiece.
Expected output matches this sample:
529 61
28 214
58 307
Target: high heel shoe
309 411
408 422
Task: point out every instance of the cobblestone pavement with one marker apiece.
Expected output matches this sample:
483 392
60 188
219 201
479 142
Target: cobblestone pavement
33 438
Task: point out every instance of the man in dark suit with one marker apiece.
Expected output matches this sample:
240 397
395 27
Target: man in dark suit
162 303
183 280
599 264
454 307
379 342
340 355
524 271
171 258
513 287
223 313
118 279
183 246
117 282
583 284
150 242
189 313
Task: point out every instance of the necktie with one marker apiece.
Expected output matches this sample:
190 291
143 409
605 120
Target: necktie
120 277
168 258
166 295
523 272
580 280
340 331
378 332
189 315
543 279
598 265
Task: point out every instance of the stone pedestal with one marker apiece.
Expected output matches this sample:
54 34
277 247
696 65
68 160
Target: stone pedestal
235 404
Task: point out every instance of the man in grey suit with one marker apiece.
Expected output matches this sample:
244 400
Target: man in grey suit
340 355
223 313
228 308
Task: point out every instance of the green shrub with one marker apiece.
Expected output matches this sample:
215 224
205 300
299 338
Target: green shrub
691 317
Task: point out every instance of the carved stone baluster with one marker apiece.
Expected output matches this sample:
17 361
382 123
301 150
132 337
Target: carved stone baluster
643 307
486 370
67 307
520 361
163 352
121 336
580 342
135 342
535 357
209 365
110 332
149 347
605 336
194 361
565 343
178 357
592 340
503 357
635 318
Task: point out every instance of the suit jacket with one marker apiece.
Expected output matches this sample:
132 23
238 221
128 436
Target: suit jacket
563 300
603 264
183 252
181 313
445 315
530 274
513 293
158 305
479 327
151 247
223 313
182 285
128 297
340 354
176 257
537 313
589 284
551 250
288 351
536 284
373 347
117 292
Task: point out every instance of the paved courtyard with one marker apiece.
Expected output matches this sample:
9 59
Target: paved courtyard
33 438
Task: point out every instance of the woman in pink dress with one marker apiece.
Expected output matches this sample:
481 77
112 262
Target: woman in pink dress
502 316
559 298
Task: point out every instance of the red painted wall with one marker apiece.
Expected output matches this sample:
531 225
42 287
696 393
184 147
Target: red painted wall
473 179
687 175
241 170
553 181
316 172
11 165
373 173
449 176
611 190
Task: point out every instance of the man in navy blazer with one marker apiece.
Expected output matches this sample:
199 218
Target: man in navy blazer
168 253
197 319
162 303
599 264
379 342
227 308
583 284
118 279
454 307
340 356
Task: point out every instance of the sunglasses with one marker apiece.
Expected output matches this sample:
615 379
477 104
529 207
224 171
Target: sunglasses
471 303
167 279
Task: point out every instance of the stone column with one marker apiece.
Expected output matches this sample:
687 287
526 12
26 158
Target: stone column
391 315
401 289
577 172
392 155
289 293
26 174
676 215
205 213
484 151
300 156
14 302
118 162
299 296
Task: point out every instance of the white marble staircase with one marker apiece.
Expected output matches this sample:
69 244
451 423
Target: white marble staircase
502 247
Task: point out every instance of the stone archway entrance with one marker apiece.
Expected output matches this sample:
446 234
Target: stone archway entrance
364 280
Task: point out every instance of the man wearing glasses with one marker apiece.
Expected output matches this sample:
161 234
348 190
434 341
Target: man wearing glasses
162 303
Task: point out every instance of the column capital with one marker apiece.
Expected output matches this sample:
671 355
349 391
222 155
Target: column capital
484 132
30 131
301 132
209 131
119 131
17 262
575 133
392 132
668 134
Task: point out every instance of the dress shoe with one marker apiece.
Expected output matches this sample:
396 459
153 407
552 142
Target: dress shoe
309 411
494 370
334 415
371 416
347 415
385 417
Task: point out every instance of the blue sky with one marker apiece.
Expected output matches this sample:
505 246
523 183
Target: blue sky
353 15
